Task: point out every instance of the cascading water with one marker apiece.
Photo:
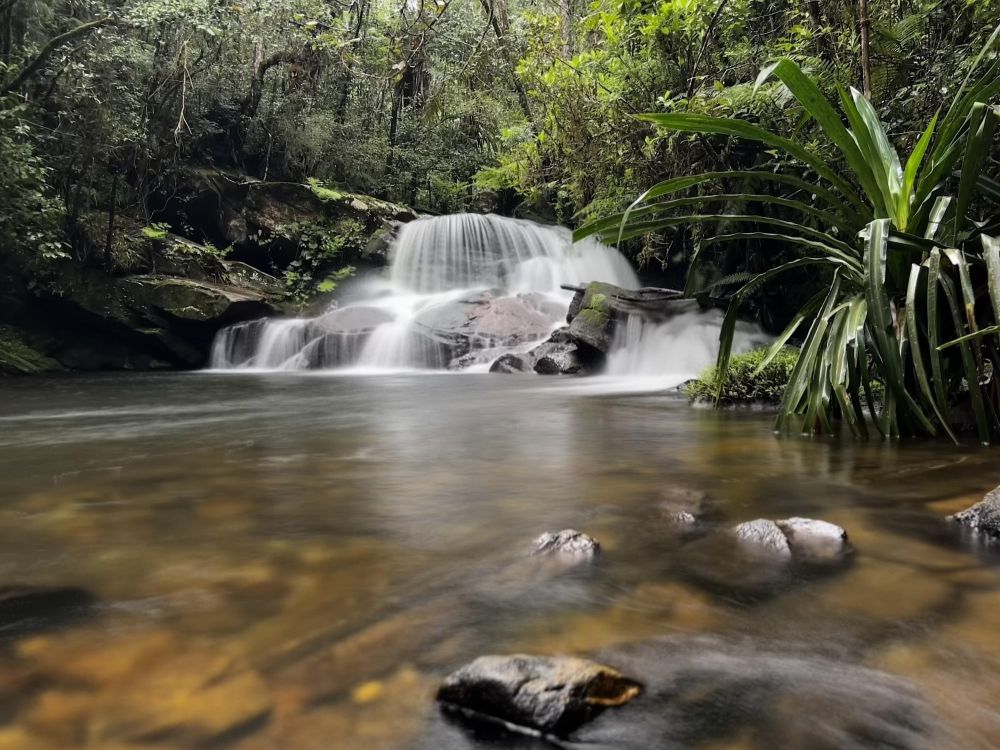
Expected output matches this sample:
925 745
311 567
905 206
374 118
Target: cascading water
675 350
462 290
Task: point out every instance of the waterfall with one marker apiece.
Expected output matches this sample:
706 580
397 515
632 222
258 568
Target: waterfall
461 290
665 354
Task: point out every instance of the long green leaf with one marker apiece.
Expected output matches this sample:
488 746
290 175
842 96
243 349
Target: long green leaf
694 123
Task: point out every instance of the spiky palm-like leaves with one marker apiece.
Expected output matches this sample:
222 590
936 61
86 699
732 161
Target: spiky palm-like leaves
898 244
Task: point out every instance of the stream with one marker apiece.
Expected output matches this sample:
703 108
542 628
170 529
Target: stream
295 560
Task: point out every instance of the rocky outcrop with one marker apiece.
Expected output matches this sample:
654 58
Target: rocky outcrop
594 315
264 221
486 321
552 695
558 355
567 542
156 318
983 517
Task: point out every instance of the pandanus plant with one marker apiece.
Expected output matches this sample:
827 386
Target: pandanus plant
901 318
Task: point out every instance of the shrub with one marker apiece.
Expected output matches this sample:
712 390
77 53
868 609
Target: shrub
743 385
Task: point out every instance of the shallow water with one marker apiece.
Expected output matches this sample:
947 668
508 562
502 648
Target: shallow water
294 561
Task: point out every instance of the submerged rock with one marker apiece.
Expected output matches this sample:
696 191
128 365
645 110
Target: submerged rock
568 542
511 363
36 607
983 517
682 506
552 695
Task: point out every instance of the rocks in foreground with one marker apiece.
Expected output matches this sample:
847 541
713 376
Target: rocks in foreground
803 539
551 695
567 542
983 517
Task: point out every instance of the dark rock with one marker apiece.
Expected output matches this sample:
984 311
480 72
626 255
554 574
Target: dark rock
552 695
568 542
560 355
19 357
26 608
512 363
983 517
710 691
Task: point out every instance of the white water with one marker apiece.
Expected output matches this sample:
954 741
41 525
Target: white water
437 266
463 290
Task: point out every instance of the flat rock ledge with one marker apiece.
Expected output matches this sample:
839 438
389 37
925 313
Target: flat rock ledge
538 695
567 542
804 539
983 517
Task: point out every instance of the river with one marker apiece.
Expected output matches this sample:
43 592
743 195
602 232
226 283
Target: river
296 560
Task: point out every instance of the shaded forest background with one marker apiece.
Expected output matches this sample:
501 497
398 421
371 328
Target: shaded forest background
517 106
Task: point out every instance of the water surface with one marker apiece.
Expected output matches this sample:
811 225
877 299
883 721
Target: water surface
294 560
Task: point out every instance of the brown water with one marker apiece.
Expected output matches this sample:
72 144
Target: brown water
294 562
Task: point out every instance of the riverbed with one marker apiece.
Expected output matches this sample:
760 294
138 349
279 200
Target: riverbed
296 560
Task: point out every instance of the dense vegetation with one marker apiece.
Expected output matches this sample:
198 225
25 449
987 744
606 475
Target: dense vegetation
110 111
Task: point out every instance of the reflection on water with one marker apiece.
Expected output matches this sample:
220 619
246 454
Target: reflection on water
294 562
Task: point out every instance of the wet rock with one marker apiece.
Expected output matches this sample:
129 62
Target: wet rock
553 695
683 507
484 321
804 539
24 608
593 321
707 691
815 541
561 355
765 537
511 364
567 542
983 517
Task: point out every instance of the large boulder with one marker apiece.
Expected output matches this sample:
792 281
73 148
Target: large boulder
983 517
553 695
485 321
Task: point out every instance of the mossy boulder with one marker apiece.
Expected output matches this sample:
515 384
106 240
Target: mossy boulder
593 316
742 383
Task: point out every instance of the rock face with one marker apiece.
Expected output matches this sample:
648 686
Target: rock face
552 695
559 355
763 536
567 542
984 516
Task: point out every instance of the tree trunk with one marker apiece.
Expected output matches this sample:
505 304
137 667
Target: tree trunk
360 9
499 25
866 53
397 103
33 66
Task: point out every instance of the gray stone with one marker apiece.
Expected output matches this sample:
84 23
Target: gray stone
567 542
551 695
511 364
763 536
815 541
984 516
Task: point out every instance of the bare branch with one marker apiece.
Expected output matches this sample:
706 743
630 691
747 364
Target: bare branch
48 50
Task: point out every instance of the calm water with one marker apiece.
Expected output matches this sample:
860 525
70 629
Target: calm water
294 561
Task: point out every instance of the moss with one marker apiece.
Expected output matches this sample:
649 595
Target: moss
741 386
593 317
18 358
